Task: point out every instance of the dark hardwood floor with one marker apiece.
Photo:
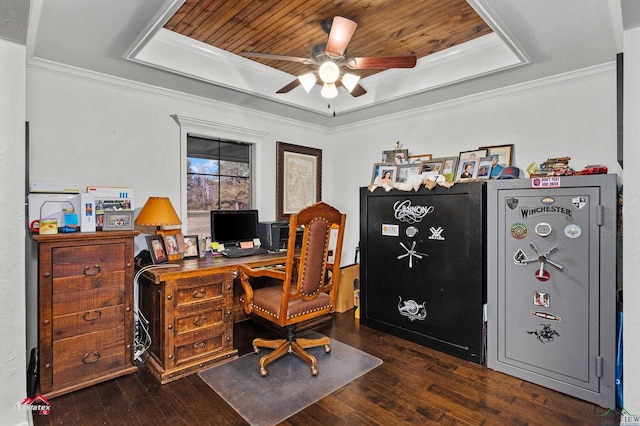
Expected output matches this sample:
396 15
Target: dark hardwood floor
414 385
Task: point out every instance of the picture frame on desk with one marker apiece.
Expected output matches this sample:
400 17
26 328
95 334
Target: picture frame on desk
118 220
155 244
191 247
298 178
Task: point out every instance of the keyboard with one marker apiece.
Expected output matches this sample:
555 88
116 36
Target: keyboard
242 252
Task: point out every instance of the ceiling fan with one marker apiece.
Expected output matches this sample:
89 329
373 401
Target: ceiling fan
331 56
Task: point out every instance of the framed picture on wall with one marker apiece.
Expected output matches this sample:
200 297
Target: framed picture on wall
298 178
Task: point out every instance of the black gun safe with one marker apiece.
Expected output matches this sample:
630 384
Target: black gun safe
423 266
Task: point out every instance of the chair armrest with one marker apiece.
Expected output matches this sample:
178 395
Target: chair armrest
245 272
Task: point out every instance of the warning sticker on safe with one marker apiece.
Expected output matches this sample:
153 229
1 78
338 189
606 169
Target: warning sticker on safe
546 182
390 230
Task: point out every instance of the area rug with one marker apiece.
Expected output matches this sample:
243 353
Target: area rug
289 387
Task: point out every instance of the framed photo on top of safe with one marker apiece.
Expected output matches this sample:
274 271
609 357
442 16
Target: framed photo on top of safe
384 174
409 173
155 244
117 220
472 155
467 170
501 157
484 168
298 178
434 165
421 158
397 157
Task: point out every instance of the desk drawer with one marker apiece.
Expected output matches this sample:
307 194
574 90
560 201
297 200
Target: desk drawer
213 315
199 289
201 344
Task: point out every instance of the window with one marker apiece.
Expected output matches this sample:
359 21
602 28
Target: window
218 178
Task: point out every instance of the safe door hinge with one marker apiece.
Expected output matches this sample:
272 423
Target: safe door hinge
599 215
599 366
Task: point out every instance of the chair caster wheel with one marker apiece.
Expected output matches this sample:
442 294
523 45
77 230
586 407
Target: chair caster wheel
263 372
327 348
256 350
314 371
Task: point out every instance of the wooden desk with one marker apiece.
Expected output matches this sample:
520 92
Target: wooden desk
191 309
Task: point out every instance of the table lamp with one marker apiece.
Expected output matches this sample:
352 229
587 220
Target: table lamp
158 212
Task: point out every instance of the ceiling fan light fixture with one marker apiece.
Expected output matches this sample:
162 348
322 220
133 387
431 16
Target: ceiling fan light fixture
349 81
329 91
329 72
307 80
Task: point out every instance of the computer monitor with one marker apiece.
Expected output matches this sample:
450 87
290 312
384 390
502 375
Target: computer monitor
234 226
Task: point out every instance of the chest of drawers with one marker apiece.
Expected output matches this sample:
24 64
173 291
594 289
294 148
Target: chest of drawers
85 309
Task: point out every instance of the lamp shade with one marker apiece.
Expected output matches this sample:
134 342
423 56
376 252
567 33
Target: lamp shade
307 80
349 81
329 91
157 211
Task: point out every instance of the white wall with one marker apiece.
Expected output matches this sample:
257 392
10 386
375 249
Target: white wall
12 228
631 241
573 115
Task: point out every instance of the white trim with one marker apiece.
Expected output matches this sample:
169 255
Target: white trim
136 87
572 77
209 129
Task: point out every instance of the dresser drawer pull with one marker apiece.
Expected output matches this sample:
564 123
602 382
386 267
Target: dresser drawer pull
91 270
86 360
92 316
200 320
199 345
199 294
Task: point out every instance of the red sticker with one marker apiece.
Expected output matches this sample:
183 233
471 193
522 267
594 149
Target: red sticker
543 275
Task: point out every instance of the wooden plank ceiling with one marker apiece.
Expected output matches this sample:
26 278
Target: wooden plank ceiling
292 28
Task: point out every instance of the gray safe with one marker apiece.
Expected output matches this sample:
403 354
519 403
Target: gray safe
551 283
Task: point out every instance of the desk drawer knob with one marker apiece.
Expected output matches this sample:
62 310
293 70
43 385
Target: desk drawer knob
199 294
199 345
200 320
46 274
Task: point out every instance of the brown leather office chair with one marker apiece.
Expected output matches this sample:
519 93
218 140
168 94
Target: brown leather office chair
309 285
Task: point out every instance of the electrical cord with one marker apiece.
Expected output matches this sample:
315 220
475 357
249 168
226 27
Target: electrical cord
141 335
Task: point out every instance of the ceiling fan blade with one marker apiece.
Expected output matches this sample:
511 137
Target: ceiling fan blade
286 89
358 91
381 62
277 57
342 30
